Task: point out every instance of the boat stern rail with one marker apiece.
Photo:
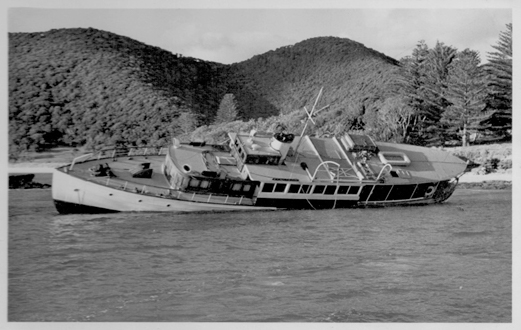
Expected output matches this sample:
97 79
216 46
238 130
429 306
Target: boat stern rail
119 152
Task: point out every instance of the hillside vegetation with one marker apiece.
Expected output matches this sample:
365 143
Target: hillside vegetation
77 87
291 76
87 88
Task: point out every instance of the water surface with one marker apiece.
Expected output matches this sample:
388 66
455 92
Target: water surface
438 263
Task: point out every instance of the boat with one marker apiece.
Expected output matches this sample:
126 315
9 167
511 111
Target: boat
255 171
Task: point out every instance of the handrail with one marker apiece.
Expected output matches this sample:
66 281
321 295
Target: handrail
165 192
169 193
113 152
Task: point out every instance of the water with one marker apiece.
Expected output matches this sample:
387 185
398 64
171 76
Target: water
439 263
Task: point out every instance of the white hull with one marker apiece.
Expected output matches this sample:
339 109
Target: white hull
77 192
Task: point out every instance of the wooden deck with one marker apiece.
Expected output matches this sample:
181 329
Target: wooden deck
121 168
157 185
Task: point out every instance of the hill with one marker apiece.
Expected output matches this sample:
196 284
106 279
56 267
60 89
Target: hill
290 77
86 87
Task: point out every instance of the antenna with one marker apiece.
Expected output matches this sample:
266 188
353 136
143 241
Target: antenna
310 117
313 112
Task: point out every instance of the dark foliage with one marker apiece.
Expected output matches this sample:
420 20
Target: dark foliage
351 74
499 102
89 87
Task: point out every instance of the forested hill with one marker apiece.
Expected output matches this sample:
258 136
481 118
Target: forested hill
78 86
89 87
290 77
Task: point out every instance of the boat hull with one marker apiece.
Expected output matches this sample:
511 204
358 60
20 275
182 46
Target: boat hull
76 195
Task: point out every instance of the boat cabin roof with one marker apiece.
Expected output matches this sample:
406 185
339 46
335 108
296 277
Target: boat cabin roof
308 159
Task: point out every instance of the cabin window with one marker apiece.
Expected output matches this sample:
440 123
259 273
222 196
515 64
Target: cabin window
305 189
268 187
318 189
354 190
194 183
342 190
205 184
246 187
330 190
294 188
280 187
236 187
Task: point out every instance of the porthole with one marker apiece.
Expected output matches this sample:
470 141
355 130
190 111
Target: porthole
187 168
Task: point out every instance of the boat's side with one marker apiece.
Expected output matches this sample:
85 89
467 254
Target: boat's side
75 195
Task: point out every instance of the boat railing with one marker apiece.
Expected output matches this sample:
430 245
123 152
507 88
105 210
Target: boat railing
119 152
167 193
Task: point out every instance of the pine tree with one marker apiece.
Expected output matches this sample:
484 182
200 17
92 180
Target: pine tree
438 62
500 99
227 110
466 91
424 85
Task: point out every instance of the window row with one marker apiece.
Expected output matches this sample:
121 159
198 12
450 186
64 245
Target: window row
309 189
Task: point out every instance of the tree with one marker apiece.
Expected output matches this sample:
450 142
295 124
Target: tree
187 122
227 110
437 66
466 91
500 99
411 82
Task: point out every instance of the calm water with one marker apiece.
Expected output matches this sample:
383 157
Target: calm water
439 263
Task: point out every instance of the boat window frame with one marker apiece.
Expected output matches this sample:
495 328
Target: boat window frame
327 191
265 184
278 190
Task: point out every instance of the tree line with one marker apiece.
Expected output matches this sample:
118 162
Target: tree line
85 87
446 96
439 96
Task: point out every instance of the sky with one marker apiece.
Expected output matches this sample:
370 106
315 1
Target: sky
235 31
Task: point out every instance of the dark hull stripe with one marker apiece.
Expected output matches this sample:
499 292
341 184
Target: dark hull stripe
304 204
73 208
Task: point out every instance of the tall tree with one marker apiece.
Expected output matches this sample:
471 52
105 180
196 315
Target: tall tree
227 110
424 85
466 91
411 80
437 66
500 70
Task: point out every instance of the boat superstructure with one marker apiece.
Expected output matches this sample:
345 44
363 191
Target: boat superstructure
257 171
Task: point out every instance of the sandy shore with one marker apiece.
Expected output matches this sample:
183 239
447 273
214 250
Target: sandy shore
32 167
48 168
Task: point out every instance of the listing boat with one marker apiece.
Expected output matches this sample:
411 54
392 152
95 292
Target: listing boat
256 171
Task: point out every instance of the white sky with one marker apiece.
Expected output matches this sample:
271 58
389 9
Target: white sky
235 31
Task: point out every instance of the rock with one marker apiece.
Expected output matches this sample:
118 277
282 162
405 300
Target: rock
25 181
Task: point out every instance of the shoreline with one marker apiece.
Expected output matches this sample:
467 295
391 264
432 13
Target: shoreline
34 168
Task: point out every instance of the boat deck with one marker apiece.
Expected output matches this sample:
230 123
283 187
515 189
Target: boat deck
121 167
157 185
